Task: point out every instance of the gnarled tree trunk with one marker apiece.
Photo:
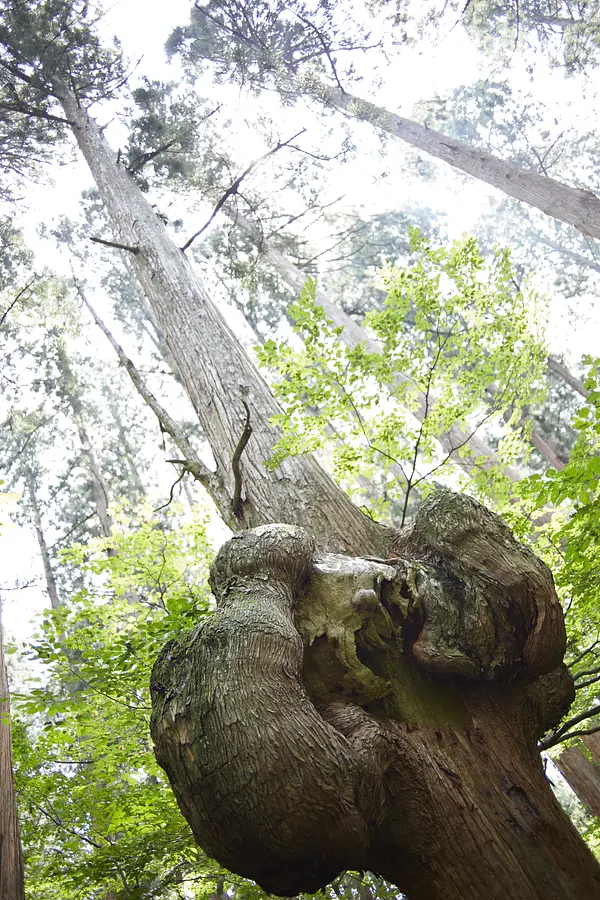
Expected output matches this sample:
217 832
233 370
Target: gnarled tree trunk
345 712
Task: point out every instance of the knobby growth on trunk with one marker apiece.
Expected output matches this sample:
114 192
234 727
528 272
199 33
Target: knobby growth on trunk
351 712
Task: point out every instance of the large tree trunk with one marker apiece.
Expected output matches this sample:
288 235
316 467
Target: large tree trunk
385 717
340 712
577 207
11 862
216 373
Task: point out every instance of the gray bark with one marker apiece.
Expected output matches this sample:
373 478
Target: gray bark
341 712
216 373
579 208
561 370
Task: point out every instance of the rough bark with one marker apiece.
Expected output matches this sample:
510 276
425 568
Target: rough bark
216 373
592 742
11 862
352 712
582 775
579 208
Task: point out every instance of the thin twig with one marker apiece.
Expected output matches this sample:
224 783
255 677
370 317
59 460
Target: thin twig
99 240
16 300
583 654
326 48
234 187
171 492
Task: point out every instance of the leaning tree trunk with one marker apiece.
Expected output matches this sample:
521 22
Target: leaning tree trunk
579 208
11 862
340 712
219 378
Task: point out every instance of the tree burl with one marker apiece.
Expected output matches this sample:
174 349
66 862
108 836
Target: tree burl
340 712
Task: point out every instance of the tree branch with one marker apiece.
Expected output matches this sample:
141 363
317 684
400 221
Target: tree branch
16 300
561 370
211 481
561 734
234 187
99 240
236 503
143 159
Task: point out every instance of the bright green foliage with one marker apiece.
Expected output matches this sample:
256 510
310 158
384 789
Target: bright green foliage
96 811
459 345
98 818
575 492
570 541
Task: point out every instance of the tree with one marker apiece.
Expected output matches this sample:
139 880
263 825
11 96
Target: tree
217 32
424 690
11 863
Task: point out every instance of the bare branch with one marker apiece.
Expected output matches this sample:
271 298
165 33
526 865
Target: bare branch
236 503
211 481
99 240
142 159
234 187
16 300
561 734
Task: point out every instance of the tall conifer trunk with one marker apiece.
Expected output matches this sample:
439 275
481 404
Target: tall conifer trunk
217 375
575 206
